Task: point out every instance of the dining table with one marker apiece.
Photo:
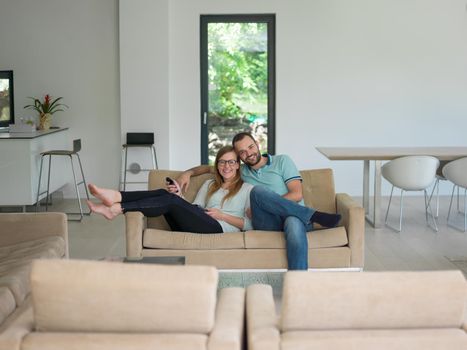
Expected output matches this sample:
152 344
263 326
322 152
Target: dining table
378 155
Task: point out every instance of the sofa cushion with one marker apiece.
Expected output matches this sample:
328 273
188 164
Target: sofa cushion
7 303
428 299
98 296
328 238
153 238
413 339
112 341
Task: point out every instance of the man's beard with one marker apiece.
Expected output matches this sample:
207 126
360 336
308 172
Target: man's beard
253 161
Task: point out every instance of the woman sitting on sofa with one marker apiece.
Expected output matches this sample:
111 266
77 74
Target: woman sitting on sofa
218 207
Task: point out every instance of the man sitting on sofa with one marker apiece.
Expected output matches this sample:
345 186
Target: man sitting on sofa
276 201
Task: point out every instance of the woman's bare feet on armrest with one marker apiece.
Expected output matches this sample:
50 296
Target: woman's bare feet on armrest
108 212
107 196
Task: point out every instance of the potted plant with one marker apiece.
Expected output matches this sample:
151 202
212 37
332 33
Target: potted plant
46 108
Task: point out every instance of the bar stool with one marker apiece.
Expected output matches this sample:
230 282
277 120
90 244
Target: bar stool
74 152
134 140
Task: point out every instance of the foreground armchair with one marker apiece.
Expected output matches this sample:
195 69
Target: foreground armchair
23 238
116 306
368 310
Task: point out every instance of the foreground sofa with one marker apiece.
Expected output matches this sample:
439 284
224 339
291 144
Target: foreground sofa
368 310
340 247
24 237
101 305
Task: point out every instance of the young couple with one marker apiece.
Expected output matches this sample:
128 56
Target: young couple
227 203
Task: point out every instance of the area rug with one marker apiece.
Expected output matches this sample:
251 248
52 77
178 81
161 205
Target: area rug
244 279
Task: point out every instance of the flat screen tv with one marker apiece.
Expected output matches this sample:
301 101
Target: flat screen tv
7 105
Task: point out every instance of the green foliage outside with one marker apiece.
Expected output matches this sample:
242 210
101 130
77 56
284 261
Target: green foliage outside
238 81
237 56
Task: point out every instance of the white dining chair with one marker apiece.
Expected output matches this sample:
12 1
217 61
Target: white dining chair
440 177
411 173
456 172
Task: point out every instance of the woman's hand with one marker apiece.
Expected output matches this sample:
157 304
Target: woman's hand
173 187
215 213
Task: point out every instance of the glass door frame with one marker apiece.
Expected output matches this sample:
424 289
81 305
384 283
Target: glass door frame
270 20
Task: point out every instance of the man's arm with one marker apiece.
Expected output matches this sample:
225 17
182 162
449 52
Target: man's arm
295 191
184 179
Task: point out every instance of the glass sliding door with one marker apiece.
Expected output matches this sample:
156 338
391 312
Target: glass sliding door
237 80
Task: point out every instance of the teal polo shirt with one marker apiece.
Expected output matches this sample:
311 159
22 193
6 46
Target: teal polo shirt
275 174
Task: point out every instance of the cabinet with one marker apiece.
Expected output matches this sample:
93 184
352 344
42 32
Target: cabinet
20 163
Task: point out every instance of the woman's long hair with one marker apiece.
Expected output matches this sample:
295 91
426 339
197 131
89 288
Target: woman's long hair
237 181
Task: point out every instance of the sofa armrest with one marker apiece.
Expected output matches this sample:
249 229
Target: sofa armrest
135 223
23 227
353 218
262 325
227 333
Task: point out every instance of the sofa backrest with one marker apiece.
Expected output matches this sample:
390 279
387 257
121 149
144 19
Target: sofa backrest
318 189
98 296
373 300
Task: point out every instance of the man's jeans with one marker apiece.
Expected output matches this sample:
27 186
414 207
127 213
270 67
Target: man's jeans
272 212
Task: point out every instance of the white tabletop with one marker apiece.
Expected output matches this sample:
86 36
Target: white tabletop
388 153
28 135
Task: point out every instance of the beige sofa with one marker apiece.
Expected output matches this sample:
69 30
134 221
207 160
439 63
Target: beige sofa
340 247
368 310
96 305
24 237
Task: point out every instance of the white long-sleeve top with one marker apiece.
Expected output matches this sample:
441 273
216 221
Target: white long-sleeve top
235 205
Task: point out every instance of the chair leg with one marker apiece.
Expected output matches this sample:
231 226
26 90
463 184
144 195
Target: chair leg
428 205
39 185
84 179
77 190
450 203
437 198
465 212
435 187
400 214
389 205
48 184
153 148
458 205
124 169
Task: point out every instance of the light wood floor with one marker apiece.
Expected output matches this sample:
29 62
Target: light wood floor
417 247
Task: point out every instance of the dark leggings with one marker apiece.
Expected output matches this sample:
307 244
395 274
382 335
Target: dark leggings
180 215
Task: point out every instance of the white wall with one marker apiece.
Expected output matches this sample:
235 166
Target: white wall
69 48
144 75
349 73
357 73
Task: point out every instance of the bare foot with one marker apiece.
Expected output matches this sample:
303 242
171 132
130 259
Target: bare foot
107 196
108 212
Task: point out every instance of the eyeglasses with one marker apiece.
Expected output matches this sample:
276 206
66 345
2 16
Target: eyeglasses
223 162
